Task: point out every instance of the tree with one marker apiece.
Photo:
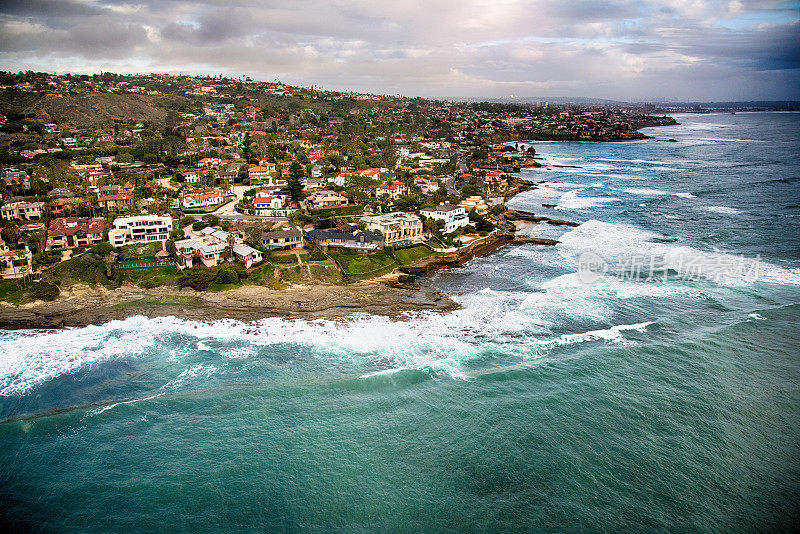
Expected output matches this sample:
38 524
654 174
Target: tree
295 183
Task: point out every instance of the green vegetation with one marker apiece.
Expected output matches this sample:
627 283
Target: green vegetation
141 249
408 255
355 264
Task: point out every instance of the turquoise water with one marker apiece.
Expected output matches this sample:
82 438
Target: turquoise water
639 403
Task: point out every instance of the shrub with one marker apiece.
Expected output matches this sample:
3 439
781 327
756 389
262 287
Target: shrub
44 291
197 279
103 248
46 258
199 225
226 276
317 255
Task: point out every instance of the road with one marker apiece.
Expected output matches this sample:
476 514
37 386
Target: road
227 211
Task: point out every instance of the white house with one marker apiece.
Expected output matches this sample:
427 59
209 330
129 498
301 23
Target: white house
268 203
209 249
140 229
200 200
454 217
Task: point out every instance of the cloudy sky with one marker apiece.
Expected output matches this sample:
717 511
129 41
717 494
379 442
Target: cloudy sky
617 49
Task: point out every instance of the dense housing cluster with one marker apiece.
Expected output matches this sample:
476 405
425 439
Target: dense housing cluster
188 171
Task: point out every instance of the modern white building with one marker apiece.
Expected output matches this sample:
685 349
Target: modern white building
139 229
454 217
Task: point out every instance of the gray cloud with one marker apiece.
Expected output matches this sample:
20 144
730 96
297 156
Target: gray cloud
637 49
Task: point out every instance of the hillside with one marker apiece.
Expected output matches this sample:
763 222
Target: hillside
81 111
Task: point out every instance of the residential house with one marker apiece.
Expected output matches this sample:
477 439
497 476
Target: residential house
261 173
139 229
247 254
201 200
475 203
268 203
209 249
117 202
397 228
15 263
27 211
393 190
454 216
282 239
364 241
61 206
426 185
326 199
71 232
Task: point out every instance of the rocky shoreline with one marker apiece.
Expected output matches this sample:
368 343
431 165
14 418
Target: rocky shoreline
82 305
405 289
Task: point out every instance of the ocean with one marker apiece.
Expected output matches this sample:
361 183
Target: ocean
642 375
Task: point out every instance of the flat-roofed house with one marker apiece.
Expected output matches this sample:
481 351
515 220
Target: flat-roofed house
454 216
139 229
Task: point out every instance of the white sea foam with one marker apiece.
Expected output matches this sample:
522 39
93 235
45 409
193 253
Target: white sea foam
725 210
619 242
609 335
644 191
685 195
571 201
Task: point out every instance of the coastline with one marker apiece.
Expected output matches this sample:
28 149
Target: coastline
82 305
402 290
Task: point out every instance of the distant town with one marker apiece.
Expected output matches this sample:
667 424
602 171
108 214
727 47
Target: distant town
213 183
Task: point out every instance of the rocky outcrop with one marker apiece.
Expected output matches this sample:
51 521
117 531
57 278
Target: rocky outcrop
459 257
523 240
516 215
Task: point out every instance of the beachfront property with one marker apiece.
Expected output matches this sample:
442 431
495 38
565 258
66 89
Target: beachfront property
15 263
26 211
363 242
71 232
209 249
397 228
139 229
454 216
282 239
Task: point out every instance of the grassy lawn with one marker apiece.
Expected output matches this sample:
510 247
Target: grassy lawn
283 258
12 291
150 278
408 255
356 264
141 249
343 210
